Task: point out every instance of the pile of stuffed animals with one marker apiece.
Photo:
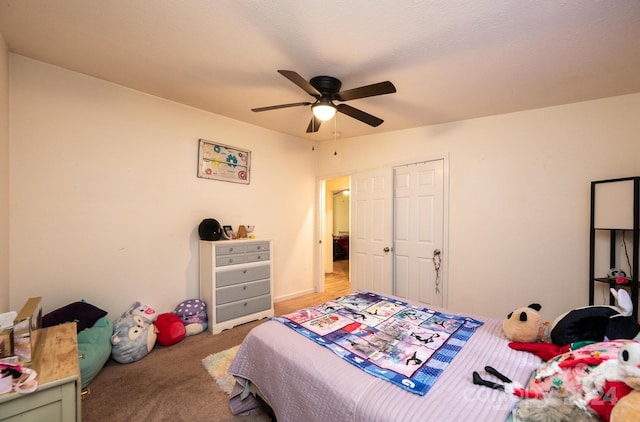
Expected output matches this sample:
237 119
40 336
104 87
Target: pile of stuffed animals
591 368
140 327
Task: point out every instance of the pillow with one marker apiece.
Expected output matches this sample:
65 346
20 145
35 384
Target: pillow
565 372
143 310
171 330
133 338
587 379
82 313
193 313
94 348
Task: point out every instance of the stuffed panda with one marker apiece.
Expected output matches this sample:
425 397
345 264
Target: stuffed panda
589 323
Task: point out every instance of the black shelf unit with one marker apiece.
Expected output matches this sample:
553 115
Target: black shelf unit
613 233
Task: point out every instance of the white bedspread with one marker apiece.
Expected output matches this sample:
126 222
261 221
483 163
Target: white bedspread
303 381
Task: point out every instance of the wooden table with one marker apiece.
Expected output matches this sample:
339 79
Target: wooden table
58 395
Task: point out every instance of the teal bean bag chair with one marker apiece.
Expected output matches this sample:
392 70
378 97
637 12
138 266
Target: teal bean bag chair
94 349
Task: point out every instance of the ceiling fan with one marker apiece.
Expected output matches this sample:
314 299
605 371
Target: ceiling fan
326 90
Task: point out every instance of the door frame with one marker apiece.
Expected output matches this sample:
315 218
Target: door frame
319 238
320 192
318 282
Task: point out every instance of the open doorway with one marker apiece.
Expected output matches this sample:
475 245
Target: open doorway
337 220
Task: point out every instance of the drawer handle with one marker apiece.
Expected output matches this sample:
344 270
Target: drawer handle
230 260
259 256
230 249
244 287
259 247
245 304
244 271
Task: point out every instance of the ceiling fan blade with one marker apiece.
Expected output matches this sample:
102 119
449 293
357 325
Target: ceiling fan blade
301 82
314 125
275 107
380 88
359 115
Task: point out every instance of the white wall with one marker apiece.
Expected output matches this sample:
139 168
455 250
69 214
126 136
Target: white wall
4 177
341 205
105 201
519 196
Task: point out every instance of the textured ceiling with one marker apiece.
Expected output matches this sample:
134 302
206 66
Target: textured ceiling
449 60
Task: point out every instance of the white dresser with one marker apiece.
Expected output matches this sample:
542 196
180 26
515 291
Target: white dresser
236 281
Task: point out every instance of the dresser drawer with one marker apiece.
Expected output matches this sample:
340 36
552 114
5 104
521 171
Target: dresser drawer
242 275
242 291
257 257
257 246
223 249
234 259
245 307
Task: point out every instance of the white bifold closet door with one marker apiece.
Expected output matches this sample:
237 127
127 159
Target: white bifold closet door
418 231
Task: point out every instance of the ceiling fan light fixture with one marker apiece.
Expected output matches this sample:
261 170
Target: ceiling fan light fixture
325 90
324 110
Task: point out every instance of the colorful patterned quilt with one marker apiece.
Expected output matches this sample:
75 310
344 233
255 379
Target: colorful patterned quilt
407 345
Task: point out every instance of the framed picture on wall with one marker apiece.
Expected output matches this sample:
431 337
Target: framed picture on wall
228 231
223 162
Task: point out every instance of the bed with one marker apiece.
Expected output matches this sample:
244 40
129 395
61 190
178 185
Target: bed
304 381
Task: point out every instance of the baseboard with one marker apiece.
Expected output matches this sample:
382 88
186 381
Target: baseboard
293 295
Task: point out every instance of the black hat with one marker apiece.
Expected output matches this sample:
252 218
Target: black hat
210 229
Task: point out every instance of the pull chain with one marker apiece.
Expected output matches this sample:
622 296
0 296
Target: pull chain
335 133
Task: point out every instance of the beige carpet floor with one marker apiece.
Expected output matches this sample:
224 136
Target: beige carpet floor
169 384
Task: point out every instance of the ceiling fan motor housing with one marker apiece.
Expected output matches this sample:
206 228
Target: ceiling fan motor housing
326 84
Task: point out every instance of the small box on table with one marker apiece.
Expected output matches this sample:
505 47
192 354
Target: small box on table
6 342
25 328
